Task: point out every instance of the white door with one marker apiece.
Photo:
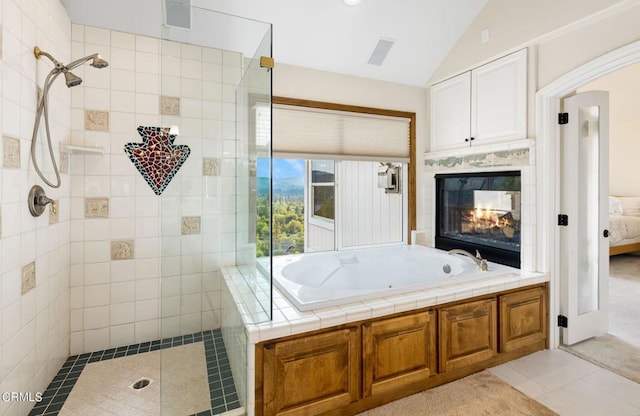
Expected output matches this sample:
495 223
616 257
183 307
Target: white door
584 199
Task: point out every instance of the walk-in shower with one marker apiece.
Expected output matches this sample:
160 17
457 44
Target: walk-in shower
71 80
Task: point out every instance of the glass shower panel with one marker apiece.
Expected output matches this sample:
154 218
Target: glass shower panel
253 173
203 346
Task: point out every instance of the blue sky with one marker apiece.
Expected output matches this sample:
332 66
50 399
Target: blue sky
282 168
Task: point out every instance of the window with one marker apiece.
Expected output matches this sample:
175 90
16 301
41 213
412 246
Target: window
322 189
342 147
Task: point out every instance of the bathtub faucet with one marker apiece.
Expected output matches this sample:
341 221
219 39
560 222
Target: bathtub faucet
482 263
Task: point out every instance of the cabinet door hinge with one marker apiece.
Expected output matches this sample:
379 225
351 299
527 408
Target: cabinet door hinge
563 219
563 118
563 322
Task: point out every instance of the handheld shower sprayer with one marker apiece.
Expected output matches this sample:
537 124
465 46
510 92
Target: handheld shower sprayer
71 80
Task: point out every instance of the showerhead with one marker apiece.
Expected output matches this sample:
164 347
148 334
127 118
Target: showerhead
71 79
99 62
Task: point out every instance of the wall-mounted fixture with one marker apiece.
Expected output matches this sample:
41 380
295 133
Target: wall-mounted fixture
38 201
380 52
71 80
177 13
389 178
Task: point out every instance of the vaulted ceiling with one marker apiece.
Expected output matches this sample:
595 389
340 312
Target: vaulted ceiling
326 35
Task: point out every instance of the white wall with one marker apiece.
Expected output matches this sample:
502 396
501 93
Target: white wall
171 285
368 214
319 238
515 24
34 338
624 128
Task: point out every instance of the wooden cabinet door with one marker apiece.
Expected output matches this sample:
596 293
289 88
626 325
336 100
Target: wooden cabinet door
468 334
311 375
451 112
499 99
398 352
523 318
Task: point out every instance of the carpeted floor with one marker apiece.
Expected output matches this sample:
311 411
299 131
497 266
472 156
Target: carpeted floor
611 353
481 394
624 298
618 350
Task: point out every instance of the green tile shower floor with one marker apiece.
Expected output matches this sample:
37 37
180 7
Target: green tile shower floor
164 377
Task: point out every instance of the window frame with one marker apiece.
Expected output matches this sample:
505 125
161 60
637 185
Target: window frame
411 170
318 220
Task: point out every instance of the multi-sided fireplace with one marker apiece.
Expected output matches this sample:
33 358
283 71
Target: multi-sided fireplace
480 211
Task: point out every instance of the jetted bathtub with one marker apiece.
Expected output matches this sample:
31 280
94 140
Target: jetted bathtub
318 280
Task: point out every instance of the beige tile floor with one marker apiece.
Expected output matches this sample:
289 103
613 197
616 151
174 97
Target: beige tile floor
179 373
561 381
571 386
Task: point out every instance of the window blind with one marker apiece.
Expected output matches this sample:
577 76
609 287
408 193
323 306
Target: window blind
311 133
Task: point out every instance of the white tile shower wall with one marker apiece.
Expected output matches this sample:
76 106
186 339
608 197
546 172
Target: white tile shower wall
34 335
234 335
171 286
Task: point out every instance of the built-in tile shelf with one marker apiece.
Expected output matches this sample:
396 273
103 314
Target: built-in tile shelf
82 150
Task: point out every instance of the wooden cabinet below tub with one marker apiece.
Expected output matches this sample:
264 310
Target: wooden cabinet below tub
523 319
468 334
353 367
398 351
313 374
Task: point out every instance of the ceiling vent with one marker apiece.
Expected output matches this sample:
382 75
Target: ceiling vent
177 13
380 52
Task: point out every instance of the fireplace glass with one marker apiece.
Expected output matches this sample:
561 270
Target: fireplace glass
480 211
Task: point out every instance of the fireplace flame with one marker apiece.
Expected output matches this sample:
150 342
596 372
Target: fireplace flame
484 220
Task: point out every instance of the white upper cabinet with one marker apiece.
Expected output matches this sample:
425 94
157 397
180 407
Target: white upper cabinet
485 105
451 111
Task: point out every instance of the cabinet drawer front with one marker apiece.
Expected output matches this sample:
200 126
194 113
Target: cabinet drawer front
523 318
468 334
312 375
398 352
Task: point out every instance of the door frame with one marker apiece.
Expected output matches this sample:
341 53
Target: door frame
548 105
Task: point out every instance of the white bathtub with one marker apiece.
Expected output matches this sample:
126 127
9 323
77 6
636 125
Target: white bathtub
318 280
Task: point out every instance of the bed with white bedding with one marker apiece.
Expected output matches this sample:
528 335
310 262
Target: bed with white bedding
624 224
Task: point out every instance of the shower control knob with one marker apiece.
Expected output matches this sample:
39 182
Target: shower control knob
605 233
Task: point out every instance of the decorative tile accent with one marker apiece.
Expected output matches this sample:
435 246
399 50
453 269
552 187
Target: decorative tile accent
169 106
157 158
11 152
190 225
28 277
96 207
63 164
422 238
122 250
54 214
513 157
210 166
96 120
